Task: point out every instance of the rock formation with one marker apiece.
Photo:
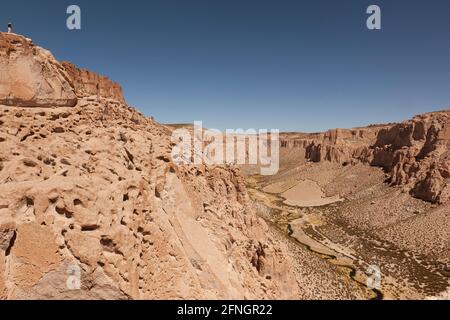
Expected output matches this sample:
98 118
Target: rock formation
92 207
87 83
31 77
416 153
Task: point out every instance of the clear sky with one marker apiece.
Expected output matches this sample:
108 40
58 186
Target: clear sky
300 65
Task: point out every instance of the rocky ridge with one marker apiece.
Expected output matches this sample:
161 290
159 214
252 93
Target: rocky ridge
92 206
32 77
415 153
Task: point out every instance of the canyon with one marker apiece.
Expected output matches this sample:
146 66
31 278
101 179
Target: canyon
373 196
88 181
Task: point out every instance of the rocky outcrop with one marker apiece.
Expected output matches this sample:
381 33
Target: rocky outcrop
416 153
342 146
87 83
30 76
101 201
92 206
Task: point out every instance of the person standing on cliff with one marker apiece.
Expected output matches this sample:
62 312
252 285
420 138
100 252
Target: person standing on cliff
10 28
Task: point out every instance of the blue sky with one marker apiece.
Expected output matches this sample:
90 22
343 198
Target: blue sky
291 65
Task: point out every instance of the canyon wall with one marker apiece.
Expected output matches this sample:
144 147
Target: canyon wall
415 153
87 83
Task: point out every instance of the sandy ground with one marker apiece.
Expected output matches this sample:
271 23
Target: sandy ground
308 193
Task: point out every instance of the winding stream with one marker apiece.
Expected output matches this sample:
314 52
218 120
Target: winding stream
335 260
295 228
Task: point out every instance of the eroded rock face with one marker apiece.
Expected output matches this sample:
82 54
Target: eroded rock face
87 83
92 207
30 76
416 153
103 195
339 145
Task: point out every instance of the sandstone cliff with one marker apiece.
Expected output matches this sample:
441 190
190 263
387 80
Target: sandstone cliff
88 191
87 83
415 154
31 77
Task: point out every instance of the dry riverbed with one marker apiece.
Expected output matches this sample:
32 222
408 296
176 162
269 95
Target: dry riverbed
296 209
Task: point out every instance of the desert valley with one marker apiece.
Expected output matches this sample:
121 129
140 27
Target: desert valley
89 193
368 198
